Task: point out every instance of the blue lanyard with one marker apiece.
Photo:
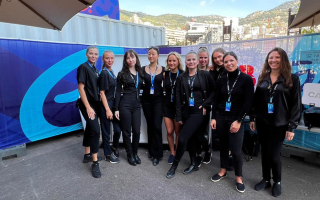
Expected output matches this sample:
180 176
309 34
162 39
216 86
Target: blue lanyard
94 68
90 65
136 82
229 91
112 74
153 76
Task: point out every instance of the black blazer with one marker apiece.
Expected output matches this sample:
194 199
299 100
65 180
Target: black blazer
207 85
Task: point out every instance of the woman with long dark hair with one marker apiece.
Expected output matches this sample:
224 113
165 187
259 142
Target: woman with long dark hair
174 68
127 106
232 102
107 86
89 105
193 97
217 69
276 110
152 98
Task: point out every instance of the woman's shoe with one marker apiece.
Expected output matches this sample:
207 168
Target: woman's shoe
240 187
155 161
262 185
276 189
137 159
192 168
172 171
131 160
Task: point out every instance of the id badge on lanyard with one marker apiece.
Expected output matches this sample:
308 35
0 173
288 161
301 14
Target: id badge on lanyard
270 108
228 106
152 80
191 101
270 104
152 90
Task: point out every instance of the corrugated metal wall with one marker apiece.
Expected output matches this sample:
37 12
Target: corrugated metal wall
85 29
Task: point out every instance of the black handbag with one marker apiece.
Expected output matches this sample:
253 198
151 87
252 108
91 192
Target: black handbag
312 117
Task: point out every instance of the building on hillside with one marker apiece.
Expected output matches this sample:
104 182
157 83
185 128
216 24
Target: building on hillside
175 37
135 19
198 33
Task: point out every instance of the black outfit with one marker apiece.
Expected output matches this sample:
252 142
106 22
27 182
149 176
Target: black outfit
169 108
108 83
152 109
129 108
191 116
272 127
241 99
89 77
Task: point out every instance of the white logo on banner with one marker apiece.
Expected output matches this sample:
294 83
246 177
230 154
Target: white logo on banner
311 94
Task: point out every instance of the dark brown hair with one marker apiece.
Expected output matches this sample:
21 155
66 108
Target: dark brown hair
285 68
220 50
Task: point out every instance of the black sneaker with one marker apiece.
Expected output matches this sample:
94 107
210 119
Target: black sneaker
207 157
95 170
112 159
115 152
217 177
88 158
171 171
240 187
262 185
199 160
276 189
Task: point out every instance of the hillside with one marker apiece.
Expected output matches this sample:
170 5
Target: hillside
276 15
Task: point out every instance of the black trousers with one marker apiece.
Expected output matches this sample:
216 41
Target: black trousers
202 142
271 139
152 109
92 132
230 141
188 135
130 120
106 129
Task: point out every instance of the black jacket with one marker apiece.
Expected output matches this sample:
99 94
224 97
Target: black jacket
182 93
286 102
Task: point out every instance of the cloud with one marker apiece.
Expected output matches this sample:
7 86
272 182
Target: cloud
212 0
203 3
233 0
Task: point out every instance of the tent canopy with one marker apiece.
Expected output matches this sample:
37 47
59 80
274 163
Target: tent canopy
51 14
308 14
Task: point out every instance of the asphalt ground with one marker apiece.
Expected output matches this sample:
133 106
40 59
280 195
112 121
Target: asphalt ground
53 169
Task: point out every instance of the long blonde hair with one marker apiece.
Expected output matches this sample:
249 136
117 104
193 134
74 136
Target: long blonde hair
205 50
180 66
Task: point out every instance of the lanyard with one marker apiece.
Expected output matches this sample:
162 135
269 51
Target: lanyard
272 91
115 79
153 76
191 82
136 82
229 91
94 68
174 83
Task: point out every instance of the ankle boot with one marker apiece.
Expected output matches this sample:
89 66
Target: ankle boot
131 159
136 158
172 169
193 167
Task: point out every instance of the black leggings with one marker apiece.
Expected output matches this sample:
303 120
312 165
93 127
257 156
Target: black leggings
152 109
271 140
106 129
202 142
230 141
92 132
188 134
130 119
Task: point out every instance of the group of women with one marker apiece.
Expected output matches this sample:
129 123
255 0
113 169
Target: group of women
190 96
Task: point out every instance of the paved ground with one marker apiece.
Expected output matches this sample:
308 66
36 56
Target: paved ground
53 169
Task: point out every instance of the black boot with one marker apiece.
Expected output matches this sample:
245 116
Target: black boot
172 169
131 159
136 158
193 167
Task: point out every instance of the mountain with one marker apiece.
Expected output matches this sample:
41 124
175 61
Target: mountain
277 15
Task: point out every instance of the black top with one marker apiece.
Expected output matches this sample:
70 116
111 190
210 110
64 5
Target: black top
107 83
241 96
286 103
197 93
207 86
158 89
89 77
127 86
217 73
167 86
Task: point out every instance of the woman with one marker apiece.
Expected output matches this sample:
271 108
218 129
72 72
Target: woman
107 86
193 97
233 98
127 106
203 56
276 109
173 69
89 105
152 98
217 69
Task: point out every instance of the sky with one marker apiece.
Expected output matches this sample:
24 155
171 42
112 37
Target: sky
226 8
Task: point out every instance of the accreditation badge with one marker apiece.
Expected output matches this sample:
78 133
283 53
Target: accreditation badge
228 106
